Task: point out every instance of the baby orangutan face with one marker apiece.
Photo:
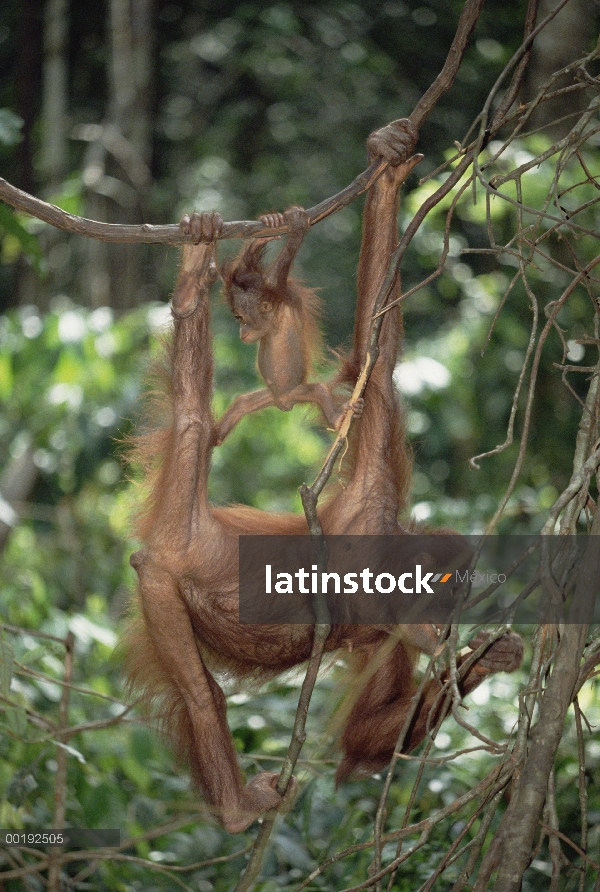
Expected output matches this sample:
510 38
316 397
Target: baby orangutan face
255 316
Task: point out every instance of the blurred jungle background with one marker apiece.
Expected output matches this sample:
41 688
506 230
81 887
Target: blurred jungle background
136 111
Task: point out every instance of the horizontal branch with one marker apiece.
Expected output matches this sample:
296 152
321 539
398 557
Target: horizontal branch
171 234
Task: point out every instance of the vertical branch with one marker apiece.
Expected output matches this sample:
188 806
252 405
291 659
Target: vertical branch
584 445
320 635
297 742
60 782
581 783
54 103
466 24
515 849
122 75
521 69
310 495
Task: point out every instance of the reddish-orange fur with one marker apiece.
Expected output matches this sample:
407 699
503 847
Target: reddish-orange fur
187 624
281 315
247 272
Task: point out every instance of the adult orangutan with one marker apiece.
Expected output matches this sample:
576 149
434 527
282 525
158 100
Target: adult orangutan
187 625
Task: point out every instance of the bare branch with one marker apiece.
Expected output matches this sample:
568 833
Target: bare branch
445 79
171 234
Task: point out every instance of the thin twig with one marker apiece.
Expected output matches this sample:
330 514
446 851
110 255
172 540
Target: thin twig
60 781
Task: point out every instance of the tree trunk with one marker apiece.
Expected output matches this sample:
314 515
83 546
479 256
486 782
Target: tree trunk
54 108
117 164
567 37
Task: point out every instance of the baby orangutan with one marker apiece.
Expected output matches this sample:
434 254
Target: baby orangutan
281 314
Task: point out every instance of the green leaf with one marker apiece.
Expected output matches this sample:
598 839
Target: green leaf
6 376
69 369
6 667
68 197
16 720
28 242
